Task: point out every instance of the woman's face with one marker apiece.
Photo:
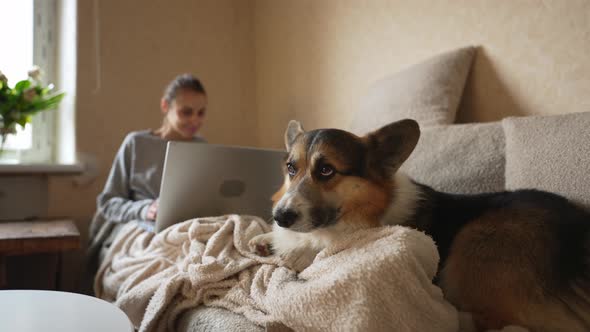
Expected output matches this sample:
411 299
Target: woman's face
186 113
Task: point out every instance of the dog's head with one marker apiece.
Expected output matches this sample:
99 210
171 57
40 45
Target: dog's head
333 176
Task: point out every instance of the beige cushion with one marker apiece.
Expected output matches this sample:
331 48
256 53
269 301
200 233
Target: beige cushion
428 92
201 318
549 153
466 158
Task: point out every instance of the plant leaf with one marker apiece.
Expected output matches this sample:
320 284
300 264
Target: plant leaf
22 85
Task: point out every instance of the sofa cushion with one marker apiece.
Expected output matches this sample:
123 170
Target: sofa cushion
428 92
549 153
203 318
465 158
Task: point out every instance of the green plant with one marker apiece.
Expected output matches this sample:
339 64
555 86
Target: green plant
20 103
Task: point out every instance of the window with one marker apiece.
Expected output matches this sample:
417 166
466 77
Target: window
29 39
17 59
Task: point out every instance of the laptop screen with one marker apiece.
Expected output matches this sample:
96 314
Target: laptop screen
201 180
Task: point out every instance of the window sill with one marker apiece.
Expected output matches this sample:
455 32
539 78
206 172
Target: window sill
41 169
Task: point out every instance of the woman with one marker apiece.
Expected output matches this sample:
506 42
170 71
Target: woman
132 188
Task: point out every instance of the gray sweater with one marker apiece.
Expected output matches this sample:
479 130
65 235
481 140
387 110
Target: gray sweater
133 184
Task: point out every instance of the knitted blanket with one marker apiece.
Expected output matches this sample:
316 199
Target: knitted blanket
371 280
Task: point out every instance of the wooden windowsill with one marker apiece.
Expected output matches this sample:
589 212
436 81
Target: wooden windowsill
41 169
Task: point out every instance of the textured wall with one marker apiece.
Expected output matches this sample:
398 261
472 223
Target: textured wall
315 59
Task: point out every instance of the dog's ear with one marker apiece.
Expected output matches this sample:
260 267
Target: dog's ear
391 145
294 129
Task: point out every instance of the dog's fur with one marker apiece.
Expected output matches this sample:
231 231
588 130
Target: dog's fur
510 258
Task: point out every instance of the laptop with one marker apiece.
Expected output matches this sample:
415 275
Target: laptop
201 180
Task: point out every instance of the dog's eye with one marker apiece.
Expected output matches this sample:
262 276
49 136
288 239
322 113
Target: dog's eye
326 171
291 169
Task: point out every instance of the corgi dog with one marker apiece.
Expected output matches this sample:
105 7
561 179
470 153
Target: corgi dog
510 258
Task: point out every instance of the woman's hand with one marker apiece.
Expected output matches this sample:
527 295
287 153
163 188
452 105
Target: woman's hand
152 211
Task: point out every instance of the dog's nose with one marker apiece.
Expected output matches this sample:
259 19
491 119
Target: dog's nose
285 218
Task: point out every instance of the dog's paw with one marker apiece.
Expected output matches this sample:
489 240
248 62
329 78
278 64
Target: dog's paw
298 259
261 245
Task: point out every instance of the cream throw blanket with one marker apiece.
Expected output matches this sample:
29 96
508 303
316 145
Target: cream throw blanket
372 280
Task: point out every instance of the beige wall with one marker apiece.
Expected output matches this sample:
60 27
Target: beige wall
315 59
143 45
267 61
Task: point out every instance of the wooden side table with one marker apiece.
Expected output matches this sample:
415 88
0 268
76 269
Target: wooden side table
34 237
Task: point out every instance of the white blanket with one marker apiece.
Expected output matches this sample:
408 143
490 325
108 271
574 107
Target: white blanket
372 280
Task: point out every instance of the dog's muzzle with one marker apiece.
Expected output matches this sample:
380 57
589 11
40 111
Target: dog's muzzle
285 217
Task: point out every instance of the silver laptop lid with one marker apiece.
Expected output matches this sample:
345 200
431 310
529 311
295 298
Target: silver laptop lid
202 180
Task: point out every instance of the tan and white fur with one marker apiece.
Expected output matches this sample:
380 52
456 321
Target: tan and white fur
362 201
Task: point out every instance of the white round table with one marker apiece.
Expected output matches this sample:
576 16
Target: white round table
35 310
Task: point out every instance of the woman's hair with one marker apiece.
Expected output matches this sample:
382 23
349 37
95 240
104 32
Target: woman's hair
183 82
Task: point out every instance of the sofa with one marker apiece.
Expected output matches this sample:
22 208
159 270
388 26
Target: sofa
544 152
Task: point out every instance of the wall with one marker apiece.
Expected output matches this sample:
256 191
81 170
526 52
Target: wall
144 45
315 59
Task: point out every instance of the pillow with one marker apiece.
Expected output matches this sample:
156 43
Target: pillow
428 92
550 153
461 159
